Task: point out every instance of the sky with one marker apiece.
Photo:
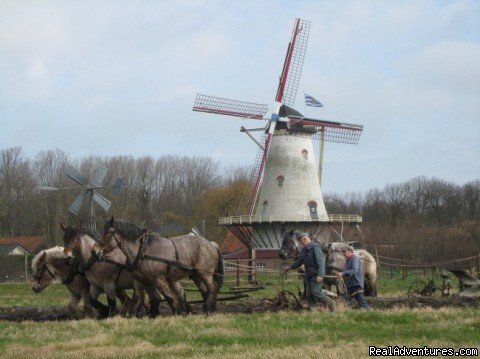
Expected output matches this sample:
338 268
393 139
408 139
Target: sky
120 78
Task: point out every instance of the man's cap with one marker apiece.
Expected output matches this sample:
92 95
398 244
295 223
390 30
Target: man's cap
303 235
346 248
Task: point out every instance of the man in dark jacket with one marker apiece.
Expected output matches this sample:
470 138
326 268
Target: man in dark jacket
312 257
353 275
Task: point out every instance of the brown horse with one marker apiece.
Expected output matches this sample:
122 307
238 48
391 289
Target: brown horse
51 264
107 277
162 262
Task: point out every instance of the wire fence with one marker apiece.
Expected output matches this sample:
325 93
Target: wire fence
471 264
18 268
15 268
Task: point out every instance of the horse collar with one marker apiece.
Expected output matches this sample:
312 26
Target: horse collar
140 254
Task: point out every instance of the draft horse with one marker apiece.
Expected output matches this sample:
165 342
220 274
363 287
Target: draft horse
162 262
52 263
334 261
109 277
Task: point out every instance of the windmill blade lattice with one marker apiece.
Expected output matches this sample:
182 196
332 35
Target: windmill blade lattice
229 107
292 67
326 130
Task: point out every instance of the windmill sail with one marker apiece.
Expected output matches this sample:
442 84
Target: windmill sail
98 177
76 176
102 201
330 131
229 107
77 203
293 64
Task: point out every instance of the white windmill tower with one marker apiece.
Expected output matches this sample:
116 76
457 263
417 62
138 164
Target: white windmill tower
287 193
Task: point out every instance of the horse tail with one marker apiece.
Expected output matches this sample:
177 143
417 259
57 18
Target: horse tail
218 275
370 273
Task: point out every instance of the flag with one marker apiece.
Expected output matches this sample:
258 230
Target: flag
310 101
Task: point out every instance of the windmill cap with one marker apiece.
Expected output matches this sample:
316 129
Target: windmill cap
303 235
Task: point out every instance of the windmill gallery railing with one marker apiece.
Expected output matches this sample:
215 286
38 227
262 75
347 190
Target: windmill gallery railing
330 218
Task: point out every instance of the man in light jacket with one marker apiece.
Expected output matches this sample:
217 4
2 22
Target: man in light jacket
353 275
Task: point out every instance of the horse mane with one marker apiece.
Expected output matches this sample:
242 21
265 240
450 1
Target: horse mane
127 230
54 252
90 232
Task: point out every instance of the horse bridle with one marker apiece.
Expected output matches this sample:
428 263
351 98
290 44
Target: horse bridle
44 268
130 266
297 246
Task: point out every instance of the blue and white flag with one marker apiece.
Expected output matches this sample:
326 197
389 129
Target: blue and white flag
310 101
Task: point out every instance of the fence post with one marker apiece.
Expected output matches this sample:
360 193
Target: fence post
26 268
251 263
405 269
238 275
376 254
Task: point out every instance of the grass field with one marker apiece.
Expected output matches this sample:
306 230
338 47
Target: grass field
307 334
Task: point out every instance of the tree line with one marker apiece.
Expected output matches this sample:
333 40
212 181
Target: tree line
155 191
424 219
421 218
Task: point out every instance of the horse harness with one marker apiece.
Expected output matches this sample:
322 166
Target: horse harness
94 258
74 270
142 256
44 268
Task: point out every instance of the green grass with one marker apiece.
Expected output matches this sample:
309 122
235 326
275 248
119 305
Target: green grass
343 334
286 334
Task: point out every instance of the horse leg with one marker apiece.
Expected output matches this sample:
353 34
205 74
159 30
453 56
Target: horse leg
170 296
210 304
93 298
154 301
138 299
201 286
183 297
89 310
74 299
110 292
124 299
177 289
370 288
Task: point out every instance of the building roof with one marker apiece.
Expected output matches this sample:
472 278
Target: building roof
8 248
29 244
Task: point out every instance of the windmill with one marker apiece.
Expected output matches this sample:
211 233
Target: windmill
286 193
89 190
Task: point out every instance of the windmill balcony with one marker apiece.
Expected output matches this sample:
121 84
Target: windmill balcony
330 218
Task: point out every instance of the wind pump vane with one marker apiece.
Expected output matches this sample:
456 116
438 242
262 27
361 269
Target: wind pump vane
89 190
